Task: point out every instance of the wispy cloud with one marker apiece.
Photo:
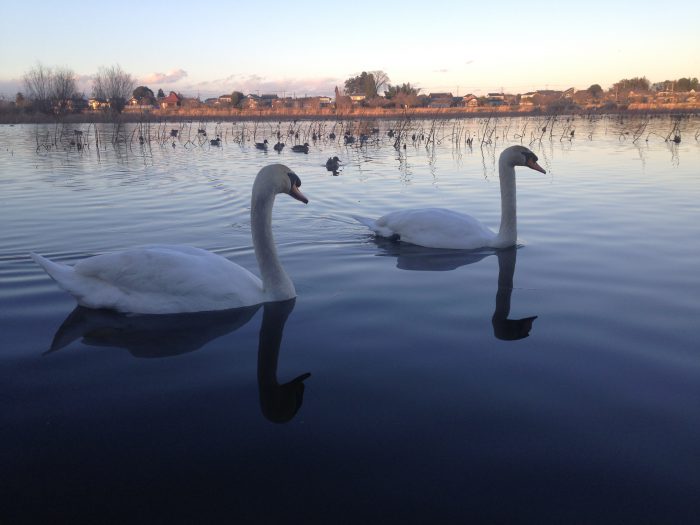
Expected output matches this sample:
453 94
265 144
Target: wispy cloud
165 78
443 70
258 84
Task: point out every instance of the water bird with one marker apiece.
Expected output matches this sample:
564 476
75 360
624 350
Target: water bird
173 133
441 228
349 139
215 142
261 145
301 148
167 279
331 135
677 139
279 146
333 164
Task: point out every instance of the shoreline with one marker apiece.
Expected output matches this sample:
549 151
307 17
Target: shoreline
180 115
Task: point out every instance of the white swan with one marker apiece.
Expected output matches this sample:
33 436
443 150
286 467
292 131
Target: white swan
440 228
166 279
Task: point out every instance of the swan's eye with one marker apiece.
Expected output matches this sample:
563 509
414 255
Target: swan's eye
530 156
294 179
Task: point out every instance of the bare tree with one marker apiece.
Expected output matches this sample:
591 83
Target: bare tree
381 79
63 88
37 84
113 84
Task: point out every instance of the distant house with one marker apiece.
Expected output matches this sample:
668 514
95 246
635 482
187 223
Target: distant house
135 104
309 103
171 101
528 99
76 104
191 102
470 101
98 103
665 97
357 99
440 100
264 101
250 102
583 97
268 100
225 99
496 99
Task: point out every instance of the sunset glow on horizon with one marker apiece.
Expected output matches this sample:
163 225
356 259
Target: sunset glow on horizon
308 48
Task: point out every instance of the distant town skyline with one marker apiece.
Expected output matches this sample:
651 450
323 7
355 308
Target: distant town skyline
307 48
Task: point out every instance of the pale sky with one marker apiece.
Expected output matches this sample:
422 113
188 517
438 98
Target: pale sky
305 47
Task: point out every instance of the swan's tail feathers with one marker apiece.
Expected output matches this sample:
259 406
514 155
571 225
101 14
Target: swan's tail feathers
382 231
370 223
61 273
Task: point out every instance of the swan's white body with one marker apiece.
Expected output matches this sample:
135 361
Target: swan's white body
441 228
166 279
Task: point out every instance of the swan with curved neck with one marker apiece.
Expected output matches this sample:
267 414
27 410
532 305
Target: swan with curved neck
166 279
441 228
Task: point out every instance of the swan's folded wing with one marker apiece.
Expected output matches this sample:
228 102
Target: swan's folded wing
437 228
168 279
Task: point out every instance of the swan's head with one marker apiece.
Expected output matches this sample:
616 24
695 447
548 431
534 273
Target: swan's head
278 178
521 156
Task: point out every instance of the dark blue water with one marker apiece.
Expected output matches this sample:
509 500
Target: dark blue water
433 394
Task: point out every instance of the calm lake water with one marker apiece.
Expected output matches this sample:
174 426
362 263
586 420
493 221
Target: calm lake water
424 402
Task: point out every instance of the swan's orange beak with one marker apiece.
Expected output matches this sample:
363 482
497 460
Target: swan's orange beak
532 164
297 194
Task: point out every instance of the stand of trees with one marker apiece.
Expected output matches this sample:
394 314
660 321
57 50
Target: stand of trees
144 95
48 90
54 91
115 85
367 84
682 84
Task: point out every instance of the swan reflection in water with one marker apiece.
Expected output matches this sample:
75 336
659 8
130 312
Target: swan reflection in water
158 336
418 258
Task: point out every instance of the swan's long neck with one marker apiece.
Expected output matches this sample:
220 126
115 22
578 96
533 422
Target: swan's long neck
276 283
508 232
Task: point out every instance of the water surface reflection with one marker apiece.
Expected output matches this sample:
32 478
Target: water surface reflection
161 336
418 258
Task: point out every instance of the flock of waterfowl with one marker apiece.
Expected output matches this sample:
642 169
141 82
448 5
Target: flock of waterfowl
166 279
